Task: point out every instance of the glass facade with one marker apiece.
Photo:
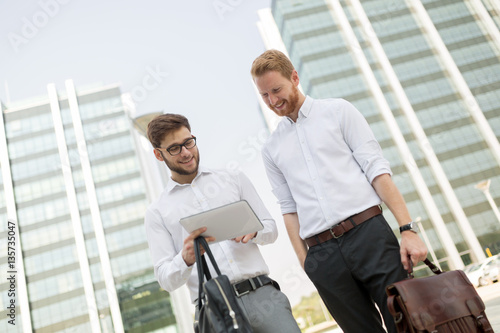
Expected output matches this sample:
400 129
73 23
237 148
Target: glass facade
320 48
62 206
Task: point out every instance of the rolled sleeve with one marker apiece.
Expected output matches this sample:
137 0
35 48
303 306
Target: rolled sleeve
370 159
362 142
270 232
279 185
285 199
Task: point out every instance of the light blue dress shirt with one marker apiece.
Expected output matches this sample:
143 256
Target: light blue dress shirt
322 166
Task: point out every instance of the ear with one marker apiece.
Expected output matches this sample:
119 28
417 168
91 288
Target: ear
158 155
295 78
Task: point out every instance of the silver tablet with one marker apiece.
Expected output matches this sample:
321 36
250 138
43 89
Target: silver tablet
225 222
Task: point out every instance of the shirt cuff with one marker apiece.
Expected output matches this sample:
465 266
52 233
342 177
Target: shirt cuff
185 270
285 199
260 238
379 170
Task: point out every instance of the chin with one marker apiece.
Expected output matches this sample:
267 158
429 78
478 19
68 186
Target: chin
280 113
283 113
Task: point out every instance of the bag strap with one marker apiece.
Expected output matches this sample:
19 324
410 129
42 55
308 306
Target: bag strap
433 267
202 266
206 270
200 269
429 264
203 242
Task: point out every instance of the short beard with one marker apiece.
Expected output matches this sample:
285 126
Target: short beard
179 170
292 101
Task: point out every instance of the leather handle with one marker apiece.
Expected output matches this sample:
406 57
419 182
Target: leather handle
199 267
429 264
203 242
433 267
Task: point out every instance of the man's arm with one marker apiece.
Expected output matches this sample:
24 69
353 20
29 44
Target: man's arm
248 192
292 228
411 244
172 267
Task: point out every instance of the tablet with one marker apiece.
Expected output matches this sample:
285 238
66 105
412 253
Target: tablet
225 222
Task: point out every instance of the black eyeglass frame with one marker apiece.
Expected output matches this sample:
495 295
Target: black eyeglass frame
184 144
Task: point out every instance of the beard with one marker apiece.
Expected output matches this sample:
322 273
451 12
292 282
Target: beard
292 102
177 168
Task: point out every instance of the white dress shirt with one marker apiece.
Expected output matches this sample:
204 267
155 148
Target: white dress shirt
321 167
209 189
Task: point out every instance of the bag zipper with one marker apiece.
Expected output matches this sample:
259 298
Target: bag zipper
231 312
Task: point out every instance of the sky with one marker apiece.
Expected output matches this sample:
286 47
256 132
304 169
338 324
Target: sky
189 57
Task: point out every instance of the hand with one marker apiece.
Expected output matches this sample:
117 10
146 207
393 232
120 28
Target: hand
188 249
412 246
245 239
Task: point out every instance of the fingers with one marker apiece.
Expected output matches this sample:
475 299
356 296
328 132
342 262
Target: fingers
245 239
404 259
248 238
193 235
188 249
196 233
210 239
412 248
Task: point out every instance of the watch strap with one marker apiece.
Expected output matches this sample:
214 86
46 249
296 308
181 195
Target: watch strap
409 226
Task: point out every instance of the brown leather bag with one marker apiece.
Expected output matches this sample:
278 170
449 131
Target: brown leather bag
445 302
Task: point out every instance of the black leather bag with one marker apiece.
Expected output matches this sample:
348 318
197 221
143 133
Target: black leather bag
217 310
445 302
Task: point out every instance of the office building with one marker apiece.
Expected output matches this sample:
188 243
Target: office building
72 189
426 75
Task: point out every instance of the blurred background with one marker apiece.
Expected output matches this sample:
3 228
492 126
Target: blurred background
80 80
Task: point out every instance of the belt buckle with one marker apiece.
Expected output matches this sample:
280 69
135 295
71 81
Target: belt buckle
238 293
252 285
333 234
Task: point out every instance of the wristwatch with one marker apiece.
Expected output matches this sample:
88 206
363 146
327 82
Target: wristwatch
412 226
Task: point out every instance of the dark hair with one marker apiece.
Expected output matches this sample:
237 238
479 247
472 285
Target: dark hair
163 124
272 60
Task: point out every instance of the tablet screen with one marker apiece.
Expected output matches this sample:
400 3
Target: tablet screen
225 222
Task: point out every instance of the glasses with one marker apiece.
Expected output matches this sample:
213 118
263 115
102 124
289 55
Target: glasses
176 149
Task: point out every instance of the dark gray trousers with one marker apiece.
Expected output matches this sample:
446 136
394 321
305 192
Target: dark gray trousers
351 273
269 311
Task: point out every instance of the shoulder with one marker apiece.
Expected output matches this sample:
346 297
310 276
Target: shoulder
153 211
159 201
332 104
228 174
281 129
337 110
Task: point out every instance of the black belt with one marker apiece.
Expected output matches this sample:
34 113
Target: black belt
244 287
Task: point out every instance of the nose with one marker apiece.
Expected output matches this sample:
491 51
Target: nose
273 99
184 151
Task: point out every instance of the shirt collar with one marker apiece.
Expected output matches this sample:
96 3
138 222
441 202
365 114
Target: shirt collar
173 184
305 109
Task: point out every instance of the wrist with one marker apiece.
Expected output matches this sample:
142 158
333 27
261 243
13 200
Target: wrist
410 227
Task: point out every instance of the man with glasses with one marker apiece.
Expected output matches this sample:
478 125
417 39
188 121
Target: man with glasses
327 171
193 189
